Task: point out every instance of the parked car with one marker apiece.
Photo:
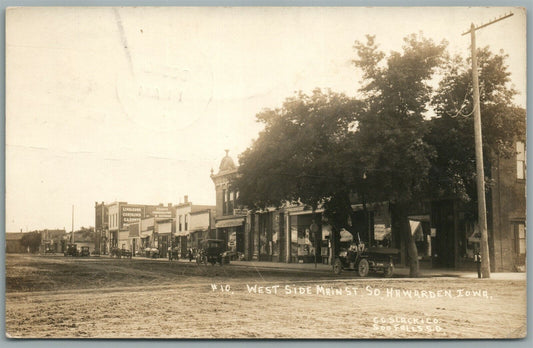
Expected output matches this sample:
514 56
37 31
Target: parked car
211 251
85 251
72 250
126 253
356 256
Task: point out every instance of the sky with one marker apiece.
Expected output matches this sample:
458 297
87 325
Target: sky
138 104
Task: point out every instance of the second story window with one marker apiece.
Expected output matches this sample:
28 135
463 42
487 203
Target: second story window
179 223
186 222
224 206
520 160
230 203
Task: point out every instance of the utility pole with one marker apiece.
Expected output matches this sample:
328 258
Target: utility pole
72 235
480 173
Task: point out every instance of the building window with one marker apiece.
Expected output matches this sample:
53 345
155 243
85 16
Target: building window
224 207
230 203
302 240
520 160
521 239
180 222
186 222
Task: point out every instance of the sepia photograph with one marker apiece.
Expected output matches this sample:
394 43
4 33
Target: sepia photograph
265 173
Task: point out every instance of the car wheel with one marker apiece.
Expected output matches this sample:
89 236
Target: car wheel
388 272
363 267
337 266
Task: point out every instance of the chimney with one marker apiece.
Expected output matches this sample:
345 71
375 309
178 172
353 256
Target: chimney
185 199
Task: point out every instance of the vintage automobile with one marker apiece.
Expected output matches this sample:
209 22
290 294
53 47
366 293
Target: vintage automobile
356 256
72 250
210 251
126 253
119 253
85 251
49 248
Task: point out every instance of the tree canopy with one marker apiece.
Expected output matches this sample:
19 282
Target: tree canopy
391 138
292 159
451 132
401 142
31 241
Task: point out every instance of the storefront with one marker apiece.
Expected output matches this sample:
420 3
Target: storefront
231 231
163 235
305 237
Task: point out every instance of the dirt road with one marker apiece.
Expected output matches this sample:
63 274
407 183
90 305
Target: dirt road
105 298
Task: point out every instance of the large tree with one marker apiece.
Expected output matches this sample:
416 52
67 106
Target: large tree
31 241
300 156
453 173
392 128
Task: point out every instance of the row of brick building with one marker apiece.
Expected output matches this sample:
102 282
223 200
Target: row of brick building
138 227
445 235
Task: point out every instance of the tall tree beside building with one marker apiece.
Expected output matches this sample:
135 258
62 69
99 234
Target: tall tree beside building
301 155
453 173
31 241
391 137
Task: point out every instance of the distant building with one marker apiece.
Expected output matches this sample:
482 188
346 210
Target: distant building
194 222
53 241
230 222
444 231
112 223
13 243
507 212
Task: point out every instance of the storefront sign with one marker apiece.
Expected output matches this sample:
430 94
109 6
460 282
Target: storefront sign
240 212
164 228
130 214
162 213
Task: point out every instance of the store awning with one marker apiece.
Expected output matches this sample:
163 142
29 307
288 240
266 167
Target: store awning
145 234
182 233
229 223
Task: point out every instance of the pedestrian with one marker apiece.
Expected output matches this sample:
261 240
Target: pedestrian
189 254
170 253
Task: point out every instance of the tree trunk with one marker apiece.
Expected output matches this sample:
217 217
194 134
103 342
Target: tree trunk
400 223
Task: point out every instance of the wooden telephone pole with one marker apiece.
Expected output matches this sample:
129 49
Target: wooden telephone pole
480 181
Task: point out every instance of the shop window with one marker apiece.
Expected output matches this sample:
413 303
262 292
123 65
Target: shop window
520 160
265 241
275 235
302 240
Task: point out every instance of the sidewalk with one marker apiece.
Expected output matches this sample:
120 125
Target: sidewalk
399 272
